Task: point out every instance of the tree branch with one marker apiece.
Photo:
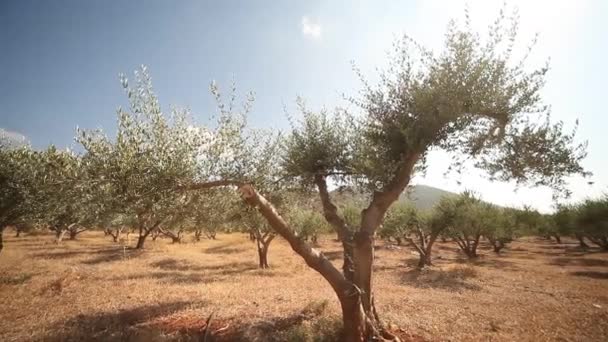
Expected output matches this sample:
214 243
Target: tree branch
313 258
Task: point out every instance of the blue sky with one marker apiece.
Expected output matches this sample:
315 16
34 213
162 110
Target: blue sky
60 60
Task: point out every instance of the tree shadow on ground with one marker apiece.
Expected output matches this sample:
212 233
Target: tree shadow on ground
494 261
454 279
61 255
113 254
171 264
224 249
121 325
183 272
579 262
591 274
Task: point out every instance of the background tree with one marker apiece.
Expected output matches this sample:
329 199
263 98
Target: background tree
210 210
66 196
563 220
17 171
420 229
500 227
149 159
592 217
470 221
309 224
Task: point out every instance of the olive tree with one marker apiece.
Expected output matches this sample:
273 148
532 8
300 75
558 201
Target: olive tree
67 198
564 224
592 217
405 222
472 100
209 212
308 223
147 161
16 186
500 227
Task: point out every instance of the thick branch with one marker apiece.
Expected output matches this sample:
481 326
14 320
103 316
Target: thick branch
313 258
382 200
330 211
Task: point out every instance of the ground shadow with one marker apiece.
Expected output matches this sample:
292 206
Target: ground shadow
61 255
224 249
112 254
454 279
494 261
579 262
183 272
591 274
170 264
121 325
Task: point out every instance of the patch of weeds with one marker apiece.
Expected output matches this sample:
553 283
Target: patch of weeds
16 279
319 329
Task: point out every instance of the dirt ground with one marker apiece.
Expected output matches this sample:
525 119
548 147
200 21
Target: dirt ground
95 290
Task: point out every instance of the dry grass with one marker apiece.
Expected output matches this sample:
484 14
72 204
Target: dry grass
92 289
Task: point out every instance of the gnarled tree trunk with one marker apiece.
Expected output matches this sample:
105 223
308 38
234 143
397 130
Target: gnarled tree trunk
468 246
144 232
176 237
74 231
424 246
497 245
601 241
557 238
581 240
59 233
263 240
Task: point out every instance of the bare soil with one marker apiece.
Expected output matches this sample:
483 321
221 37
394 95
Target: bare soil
95 290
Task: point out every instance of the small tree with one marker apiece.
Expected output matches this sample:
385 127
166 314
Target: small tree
500 227
470 220
420 229
17 189
149 159
259 232
592 217
563 221
67 198
307 223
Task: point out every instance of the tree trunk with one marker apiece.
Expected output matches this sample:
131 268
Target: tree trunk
497 246
143 233
581 240
18 232
73 234
140 241
263 257
557 238
353 318
59 233
399 241
425 256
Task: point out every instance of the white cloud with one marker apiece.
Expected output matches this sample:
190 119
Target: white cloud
311 28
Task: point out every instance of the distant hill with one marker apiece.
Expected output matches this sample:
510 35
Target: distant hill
422 196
